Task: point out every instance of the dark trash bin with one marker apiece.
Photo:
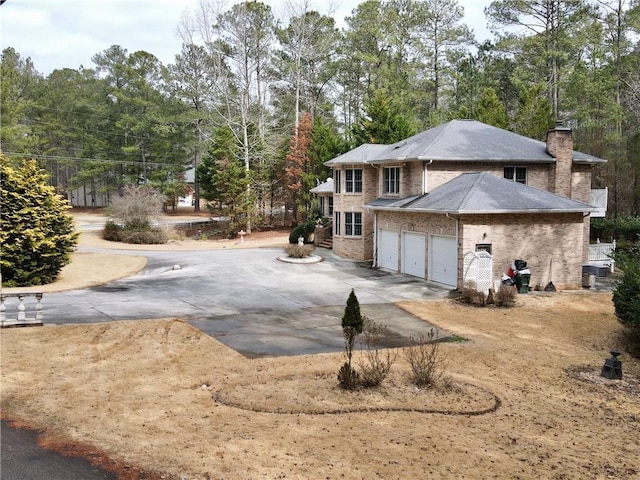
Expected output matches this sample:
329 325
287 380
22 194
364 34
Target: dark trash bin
520 264
522 282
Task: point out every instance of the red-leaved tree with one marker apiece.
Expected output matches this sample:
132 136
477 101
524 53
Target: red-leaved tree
298 171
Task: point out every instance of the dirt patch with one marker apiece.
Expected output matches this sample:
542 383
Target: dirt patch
144 393
89 269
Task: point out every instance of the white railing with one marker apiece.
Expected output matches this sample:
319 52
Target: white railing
19 315
601 254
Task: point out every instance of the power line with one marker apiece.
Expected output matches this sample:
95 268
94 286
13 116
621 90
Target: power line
97 160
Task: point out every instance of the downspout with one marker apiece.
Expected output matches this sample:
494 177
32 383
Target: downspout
375 239
375 223
457 252
424 176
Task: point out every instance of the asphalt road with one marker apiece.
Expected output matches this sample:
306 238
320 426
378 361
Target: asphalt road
23 459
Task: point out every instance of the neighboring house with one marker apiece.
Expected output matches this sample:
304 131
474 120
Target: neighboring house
425 205
91 195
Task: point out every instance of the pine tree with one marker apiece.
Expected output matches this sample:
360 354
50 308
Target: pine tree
384 124
36 234
491 110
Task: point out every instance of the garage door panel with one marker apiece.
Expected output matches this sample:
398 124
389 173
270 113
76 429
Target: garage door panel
443 260
413 254
388 249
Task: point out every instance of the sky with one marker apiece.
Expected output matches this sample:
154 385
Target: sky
67 33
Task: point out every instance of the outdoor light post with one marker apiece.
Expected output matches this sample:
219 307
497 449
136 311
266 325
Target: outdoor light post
612 368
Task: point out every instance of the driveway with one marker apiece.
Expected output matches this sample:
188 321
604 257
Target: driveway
250 301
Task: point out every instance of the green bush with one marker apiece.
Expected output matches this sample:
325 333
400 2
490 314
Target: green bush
153 236
149 236
304 230
111 231
36 234
626 296
622 228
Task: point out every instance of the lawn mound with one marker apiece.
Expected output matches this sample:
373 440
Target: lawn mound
319 394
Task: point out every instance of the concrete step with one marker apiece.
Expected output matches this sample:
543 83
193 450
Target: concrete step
327 243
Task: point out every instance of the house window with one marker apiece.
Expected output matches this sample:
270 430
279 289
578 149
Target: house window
391 180
517 174
353 180
337 180
321 201
330 206
483 247
353 224
336 223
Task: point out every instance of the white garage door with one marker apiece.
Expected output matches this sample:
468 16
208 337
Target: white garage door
413 254
443 260
388 249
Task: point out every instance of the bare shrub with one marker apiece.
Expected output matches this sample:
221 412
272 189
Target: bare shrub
374 363
505 296
136 207
470 295
348 377
299 251
425 359
468 292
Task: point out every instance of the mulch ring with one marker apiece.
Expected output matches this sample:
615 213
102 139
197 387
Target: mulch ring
629 384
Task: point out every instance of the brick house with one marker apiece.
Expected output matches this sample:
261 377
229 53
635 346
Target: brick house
423 205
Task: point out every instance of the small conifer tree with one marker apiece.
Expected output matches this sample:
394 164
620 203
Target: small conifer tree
352 326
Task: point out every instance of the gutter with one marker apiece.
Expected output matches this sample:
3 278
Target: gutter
474 212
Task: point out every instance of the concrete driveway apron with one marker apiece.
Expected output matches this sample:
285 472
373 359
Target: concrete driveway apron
250 301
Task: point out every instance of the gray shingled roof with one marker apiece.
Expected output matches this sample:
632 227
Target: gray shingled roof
459 140
359 155
484 193
325 187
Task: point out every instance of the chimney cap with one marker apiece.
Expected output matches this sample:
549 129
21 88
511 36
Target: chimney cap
560 125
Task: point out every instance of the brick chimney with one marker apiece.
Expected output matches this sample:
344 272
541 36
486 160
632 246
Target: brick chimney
560 146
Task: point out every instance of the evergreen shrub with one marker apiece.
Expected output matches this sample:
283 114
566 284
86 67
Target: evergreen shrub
37 234
626 296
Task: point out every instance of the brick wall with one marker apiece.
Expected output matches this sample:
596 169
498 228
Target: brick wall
544 241
560 146
538 175
356 247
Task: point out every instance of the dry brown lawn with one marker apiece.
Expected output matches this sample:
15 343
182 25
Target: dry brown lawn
161 398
